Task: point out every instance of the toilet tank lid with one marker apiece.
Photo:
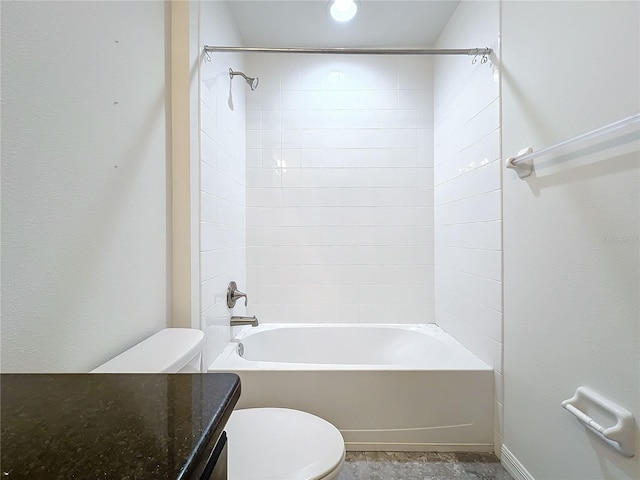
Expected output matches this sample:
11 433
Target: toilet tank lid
165 352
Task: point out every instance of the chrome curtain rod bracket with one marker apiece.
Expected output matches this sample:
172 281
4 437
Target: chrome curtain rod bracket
476 52
484 52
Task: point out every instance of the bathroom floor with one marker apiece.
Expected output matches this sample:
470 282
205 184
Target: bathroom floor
422 466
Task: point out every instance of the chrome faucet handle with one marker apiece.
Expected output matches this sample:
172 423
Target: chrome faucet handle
233 295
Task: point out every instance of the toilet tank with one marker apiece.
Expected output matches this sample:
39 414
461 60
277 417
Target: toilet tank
172 350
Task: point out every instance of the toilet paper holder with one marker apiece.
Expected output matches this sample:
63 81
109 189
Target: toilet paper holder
620 436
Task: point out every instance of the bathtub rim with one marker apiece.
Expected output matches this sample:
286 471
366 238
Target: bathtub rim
228 360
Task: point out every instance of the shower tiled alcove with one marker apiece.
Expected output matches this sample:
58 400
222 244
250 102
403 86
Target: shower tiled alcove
360 189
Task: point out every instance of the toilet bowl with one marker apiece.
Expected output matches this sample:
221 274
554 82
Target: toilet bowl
264 443
283 444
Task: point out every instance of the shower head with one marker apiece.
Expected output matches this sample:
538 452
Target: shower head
252 82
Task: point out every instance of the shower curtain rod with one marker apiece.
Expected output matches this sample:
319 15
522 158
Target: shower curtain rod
352 51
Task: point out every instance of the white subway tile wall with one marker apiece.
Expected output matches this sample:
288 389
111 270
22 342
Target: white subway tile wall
340 189
222 180
468 191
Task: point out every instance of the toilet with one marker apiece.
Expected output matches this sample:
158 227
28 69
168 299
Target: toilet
283 444
172 350
264 443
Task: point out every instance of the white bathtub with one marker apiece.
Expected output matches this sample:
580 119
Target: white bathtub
386 387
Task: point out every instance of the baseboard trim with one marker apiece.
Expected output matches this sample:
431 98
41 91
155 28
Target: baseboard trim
513 466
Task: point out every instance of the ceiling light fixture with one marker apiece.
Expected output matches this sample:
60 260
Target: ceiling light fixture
343 10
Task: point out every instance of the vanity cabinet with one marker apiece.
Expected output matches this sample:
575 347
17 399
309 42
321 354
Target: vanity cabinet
138 426
216 468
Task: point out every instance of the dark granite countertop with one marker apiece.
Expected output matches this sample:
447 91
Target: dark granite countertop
112 426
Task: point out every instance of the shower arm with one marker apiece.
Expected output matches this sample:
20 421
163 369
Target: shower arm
232 73
251 81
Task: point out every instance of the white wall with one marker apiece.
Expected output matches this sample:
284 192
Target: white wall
84 181
571 232
339 189
222 177
467 197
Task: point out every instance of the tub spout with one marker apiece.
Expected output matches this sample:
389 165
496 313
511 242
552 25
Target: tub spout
237 320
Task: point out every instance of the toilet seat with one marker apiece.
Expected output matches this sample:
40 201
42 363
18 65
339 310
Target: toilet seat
282 444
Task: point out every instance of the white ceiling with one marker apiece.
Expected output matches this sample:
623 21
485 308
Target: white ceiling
307 23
